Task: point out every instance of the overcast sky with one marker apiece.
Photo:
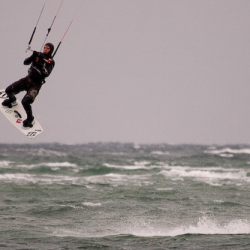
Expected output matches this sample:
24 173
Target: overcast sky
142 71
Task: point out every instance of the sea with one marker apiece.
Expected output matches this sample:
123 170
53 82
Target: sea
124 196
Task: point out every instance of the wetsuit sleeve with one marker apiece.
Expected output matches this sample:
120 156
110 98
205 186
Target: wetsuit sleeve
30 59
48 67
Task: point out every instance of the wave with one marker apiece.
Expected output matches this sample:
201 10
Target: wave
205 225
91 204
227 152
5 163
137 165
160 153
66 172
49 164
118 179
41 179
212 176
143 228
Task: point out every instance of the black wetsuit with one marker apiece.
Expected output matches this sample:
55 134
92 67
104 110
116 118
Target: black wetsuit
41 67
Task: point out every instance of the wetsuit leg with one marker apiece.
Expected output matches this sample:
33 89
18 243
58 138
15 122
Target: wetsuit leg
15 88
26 101
10 93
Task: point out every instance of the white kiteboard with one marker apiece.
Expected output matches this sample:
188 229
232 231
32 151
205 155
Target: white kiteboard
16 115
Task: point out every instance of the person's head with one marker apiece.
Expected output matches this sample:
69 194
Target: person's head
48 49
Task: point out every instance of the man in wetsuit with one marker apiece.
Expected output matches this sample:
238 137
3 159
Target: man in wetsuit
42 65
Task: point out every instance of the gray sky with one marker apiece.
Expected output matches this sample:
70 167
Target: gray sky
142 71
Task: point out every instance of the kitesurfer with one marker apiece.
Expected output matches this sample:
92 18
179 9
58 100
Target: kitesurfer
42 65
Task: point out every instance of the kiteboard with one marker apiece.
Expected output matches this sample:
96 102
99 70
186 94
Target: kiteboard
16 115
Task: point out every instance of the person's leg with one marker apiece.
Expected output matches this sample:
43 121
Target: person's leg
10 93
27 100
12 90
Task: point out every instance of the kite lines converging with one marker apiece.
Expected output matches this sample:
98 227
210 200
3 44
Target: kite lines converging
50 28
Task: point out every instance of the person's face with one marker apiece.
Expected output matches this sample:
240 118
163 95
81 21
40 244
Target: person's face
46 49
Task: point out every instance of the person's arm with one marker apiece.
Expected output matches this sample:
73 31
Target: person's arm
30 59
48 67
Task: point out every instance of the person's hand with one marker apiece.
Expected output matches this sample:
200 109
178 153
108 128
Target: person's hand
35 54
41 55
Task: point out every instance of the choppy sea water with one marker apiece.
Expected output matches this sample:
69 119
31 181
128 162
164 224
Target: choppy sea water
124 196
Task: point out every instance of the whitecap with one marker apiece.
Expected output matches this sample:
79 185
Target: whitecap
227 152
16 177
119 179
91 204
159 153
126 167
5 163
212 176
207 225
44 179
59 164
53 165
143 227
137 165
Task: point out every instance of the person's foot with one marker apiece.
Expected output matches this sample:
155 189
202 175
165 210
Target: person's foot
28 123
9 103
